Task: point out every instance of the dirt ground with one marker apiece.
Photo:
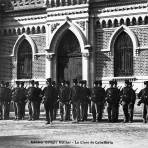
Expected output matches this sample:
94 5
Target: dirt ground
30 134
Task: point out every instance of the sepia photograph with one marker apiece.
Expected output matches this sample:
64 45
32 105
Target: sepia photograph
73 73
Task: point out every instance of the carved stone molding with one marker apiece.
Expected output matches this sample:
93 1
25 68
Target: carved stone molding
86 55
54 26
82 24
49 56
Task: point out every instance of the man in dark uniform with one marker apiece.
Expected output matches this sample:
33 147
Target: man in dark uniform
49 100
97 101
16 93
132 103
67 84
32 104
8 99
143 96
23 99
126 99
112 96
75 100
38 99
56 105
85 93
3 101
118 101
64 98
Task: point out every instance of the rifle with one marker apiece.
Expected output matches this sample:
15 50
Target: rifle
104 86
135 89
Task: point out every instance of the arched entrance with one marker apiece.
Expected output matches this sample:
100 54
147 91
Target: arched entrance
69 57
24 60
123 55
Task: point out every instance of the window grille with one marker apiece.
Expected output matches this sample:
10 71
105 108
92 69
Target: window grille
123 55
24 61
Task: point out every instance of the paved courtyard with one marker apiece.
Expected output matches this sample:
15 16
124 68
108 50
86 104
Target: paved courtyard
29 134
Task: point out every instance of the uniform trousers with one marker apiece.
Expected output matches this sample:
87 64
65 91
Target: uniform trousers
84 110
38 109
64 110
3 110
76 110
128 109
97 110
23 104
17 109
112 112
32 106
49 107
145 112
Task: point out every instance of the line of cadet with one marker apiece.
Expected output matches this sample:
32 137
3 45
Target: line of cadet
78 98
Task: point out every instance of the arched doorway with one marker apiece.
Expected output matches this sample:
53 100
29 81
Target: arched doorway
69 57
24 60
123 55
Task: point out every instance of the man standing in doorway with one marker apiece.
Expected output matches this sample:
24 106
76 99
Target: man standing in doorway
49 100
75 99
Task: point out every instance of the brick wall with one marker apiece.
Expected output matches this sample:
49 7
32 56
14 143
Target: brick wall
8 64
104 59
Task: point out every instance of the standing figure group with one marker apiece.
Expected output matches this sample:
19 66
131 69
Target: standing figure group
75 100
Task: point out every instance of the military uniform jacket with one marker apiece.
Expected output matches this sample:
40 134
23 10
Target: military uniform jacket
17 94
31 93
98 95
143 96
127 95
38 94
49 94
23 97
64 94
112 95
8 94
85 94
3 94
75 93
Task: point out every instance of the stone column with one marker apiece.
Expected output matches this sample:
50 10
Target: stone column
85 67
49 67
48 34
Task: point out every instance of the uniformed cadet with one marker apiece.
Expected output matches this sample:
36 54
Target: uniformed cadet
85 93
132 103
38 99
64 99
67 84
56 105
97 101
112 96
3 101
143 96
32 103
23 99
118 101
16 94
8 99
126 98
75 100
49 100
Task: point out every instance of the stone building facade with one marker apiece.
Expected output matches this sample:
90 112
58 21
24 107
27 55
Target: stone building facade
66 39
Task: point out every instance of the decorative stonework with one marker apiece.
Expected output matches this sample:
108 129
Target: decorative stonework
49 56
81 24
86 55
54 26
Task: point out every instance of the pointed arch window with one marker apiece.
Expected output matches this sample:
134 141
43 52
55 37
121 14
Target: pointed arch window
24 60
123 55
